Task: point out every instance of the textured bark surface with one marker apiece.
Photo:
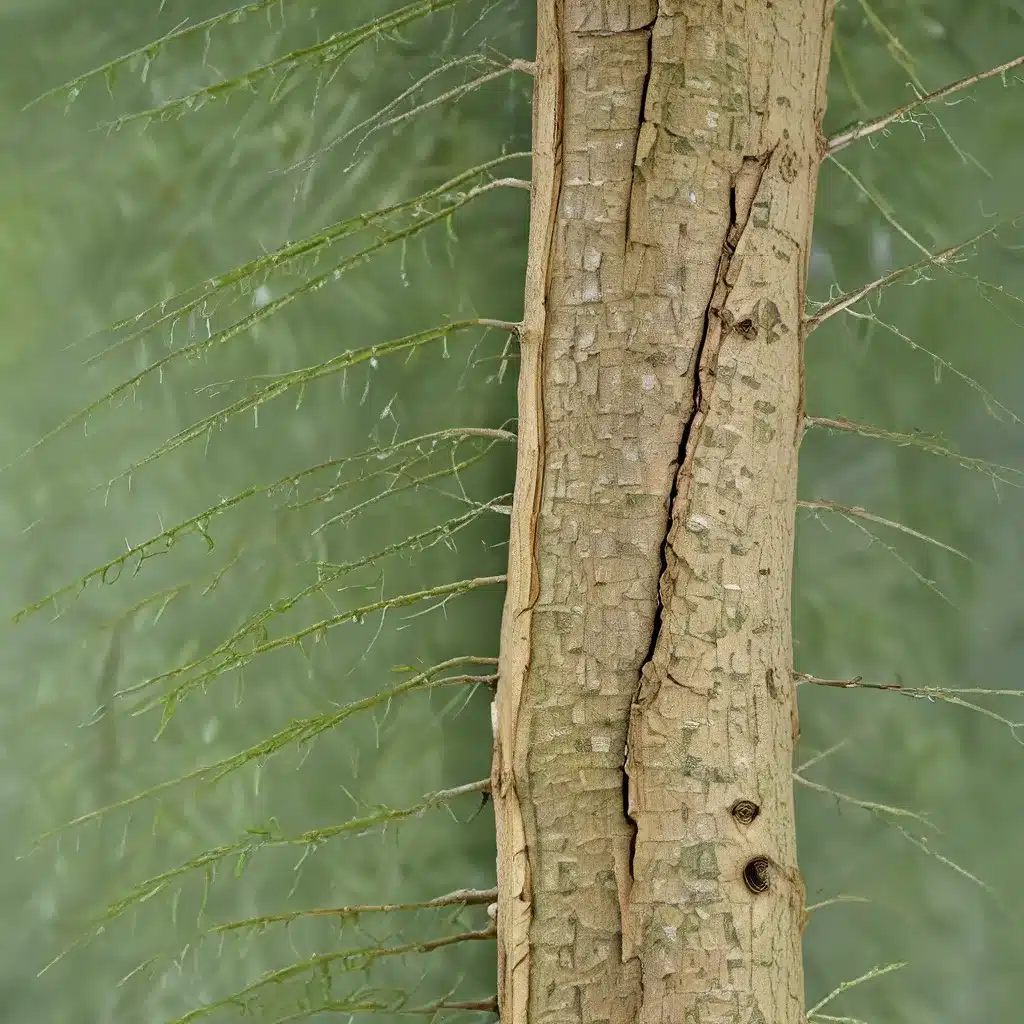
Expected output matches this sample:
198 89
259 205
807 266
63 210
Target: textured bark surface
645 715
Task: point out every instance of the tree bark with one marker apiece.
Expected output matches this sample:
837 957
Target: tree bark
645 715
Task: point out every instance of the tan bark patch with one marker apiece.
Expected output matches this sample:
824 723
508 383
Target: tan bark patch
646 633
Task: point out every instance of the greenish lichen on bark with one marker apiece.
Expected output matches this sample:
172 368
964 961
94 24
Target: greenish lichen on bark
645 672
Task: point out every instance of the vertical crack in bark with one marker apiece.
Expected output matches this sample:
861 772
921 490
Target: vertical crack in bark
626 241
717 324
649 30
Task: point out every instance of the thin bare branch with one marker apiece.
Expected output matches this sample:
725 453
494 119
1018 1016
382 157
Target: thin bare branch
998 472
922 844
860 131
875 972
866 805
845 684
503 325
511 183
947 695
461 897
821 755
913 691
856 510
834 901
478 1005
939 258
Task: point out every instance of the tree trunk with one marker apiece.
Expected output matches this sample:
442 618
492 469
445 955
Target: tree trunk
645 716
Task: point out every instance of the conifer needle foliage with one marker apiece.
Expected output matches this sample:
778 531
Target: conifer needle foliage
305 443
259 471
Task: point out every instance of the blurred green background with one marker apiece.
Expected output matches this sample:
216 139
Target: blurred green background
96 226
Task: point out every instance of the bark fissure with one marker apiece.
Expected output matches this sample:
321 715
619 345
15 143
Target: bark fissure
645 85
703 383
732 237
717 323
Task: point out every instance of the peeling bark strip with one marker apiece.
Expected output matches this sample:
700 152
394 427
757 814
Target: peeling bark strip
645 713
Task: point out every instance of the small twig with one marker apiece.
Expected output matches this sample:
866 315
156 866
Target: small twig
833 901
460 896
845 684
464 897
502 325
851 298
997 472
860 513
480 1005
845 986
865 805
844 139
528 67
950 694
504 183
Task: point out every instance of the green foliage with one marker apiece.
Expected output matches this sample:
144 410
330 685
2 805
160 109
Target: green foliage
260 496
294 475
